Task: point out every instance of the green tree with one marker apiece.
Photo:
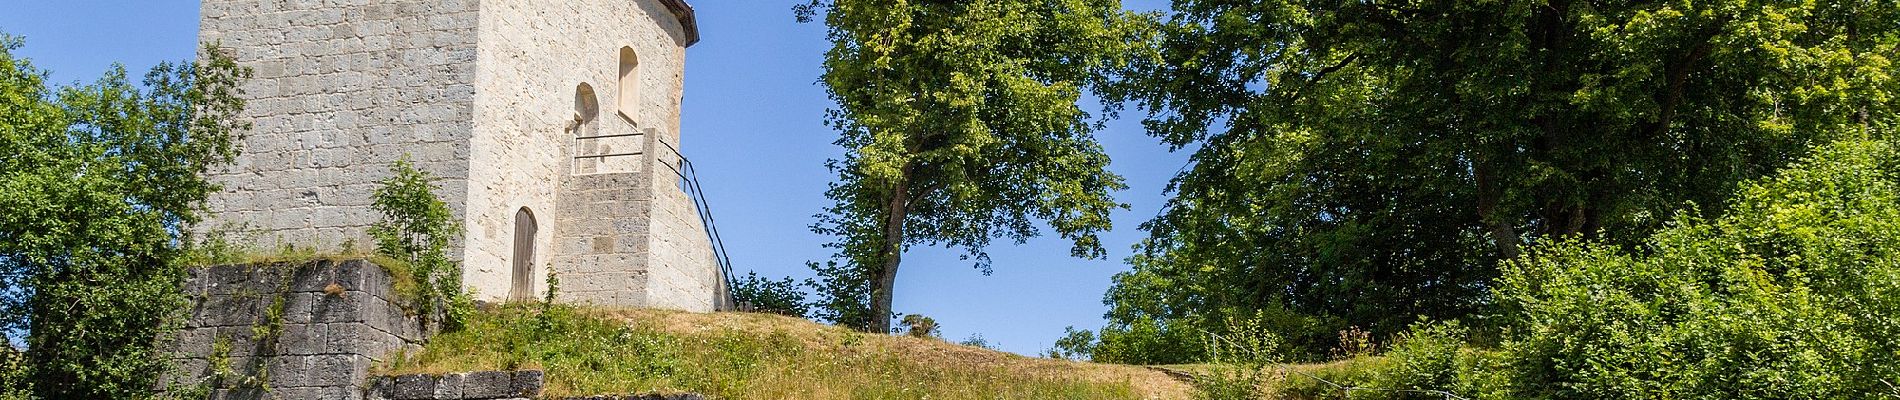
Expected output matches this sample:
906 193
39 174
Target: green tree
1794 294
1374 161
99 184
416 228
960 125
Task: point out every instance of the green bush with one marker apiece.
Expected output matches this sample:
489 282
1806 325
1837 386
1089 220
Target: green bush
780 297
1073 345
1324 381
1794 294
1241 356
1420 364
1149 342
1430 361
1181 340
415 230
920 326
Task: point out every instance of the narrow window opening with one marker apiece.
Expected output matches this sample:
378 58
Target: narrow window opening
586 126
628 103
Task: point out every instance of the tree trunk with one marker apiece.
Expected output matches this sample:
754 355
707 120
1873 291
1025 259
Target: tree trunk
895 213
1489 194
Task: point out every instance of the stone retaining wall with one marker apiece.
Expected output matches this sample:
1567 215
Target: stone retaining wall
291 331
313 330
484 385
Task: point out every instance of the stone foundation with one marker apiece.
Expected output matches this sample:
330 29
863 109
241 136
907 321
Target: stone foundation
292 331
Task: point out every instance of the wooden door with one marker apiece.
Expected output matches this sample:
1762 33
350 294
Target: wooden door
523 287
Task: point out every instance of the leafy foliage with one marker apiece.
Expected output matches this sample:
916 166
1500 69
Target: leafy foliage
1374 161
1178 341
1430 361
765 295
1073 345
920 326
1795 294
960 124
1150 341
15 381
1240 357
976 340
843 295
99 183
415 229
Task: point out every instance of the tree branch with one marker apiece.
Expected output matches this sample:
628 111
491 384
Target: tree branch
1322 75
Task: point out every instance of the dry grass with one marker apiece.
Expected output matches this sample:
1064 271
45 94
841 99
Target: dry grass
762 356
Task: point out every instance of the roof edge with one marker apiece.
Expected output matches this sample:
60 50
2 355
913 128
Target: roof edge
688 22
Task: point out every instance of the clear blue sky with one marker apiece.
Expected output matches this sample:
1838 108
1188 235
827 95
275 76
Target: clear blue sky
753 125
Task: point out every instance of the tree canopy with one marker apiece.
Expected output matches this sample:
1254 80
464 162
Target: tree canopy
1365 163
960 125
98 183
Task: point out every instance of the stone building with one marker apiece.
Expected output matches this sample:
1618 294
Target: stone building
552 126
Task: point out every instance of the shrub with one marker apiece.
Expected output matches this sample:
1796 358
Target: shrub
1074 345
920 326
780 297
415 229
1240 356
978 341
1325 381
1794 294
1423 363
1149 341
1429 361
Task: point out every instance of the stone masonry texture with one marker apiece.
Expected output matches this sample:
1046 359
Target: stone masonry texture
495 98
304 330
485 385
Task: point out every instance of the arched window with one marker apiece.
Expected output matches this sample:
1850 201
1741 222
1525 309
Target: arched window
586 105
523 282
629 99
586 128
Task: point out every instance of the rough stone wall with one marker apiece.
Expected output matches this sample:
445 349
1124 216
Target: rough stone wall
342 89
601 239
483 95
533 54
682 273
486 385
480 385
305 331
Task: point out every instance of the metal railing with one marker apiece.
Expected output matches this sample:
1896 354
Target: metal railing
689 177
577 139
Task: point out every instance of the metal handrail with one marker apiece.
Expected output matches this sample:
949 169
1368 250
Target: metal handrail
609 136
608 155
688 173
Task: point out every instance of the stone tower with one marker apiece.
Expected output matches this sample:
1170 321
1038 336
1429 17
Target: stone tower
552 125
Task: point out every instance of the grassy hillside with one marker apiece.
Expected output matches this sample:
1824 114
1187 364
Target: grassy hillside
760 356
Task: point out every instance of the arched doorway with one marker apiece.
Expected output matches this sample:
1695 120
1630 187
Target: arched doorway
525 227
